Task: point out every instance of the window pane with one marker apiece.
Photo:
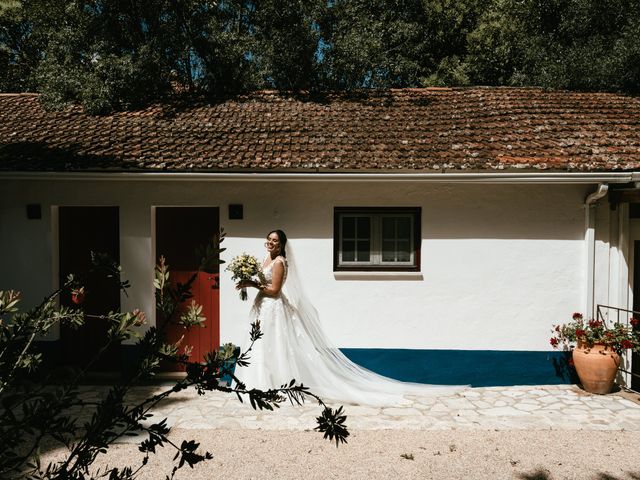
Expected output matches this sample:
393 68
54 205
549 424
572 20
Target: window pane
388 251
404 255
364 227
388 228
348 227
404 227
348 251
364 249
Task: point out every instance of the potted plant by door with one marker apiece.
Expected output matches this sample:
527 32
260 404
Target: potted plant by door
227 355
596 349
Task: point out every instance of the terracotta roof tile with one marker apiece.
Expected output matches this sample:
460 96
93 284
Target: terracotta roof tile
466 129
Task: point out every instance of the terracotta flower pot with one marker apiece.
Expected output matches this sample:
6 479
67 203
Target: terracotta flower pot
596 366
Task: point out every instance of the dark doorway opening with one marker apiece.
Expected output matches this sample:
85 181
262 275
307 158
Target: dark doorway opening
83 230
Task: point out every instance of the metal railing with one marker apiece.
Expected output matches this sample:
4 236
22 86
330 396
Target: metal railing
628 314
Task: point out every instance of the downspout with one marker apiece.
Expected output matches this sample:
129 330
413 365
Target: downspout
590 239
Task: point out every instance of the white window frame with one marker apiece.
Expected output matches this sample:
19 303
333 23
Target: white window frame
376 215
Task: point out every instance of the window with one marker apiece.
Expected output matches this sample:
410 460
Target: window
377 239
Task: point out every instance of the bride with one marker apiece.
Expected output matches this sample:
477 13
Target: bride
295 347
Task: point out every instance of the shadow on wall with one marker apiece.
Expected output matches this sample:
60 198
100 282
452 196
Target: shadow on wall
449 212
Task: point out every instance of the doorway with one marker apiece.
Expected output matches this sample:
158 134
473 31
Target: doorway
634 234
82 230
180 232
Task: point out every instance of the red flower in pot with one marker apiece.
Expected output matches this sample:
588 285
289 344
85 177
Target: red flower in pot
596 349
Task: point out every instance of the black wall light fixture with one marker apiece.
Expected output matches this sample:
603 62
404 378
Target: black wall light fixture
236 212
34 211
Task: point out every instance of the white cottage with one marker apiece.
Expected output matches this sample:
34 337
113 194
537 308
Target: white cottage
440 232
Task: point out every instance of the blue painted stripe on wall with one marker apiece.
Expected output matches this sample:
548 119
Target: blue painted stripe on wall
478 368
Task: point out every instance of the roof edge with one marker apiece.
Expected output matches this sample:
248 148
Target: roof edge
444 177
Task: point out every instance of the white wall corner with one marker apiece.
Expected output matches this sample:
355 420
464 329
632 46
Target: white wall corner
623 281
136 259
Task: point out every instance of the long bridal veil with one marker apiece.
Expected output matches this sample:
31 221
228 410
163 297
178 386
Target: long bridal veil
322 366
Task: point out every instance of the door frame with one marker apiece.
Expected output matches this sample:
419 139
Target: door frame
634 298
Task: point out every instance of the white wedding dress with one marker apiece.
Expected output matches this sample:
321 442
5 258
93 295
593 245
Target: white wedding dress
294 347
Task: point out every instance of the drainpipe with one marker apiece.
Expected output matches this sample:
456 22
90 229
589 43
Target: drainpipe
590 239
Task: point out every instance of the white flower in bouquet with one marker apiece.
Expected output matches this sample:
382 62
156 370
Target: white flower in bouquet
245 267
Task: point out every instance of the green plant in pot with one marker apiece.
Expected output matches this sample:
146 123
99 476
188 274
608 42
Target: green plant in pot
227 356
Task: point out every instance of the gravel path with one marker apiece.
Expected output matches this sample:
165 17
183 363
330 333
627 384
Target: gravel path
401 454
531 433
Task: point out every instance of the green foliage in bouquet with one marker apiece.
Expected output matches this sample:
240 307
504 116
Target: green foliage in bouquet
245 267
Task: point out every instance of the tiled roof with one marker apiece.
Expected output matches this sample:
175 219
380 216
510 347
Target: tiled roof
426 130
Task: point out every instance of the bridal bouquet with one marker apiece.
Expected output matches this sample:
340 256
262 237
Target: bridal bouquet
245 267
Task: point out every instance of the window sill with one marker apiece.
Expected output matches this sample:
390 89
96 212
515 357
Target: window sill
378 276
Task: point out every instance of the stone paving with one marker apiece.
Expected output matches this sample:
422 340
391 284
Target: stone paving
554 407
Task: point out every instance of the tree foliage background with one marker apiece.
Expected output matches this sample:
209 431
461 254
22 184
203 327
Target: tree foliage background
121 54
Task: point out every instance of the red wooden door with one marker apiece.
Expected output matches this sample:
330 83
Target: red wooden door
205 293
179 232
82 230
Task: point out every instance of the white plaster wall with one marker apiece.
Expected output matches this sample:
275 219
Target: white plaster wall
25 245
606 227
500 263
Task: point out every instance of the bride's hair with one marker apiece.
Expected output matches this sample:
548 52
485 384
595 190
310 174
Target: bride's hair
283 241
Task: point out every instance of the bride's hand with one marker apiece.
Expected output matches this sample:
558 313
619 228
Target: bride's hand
246 284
